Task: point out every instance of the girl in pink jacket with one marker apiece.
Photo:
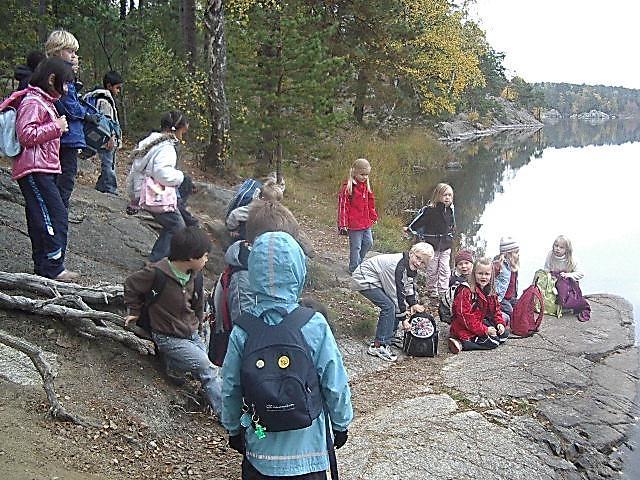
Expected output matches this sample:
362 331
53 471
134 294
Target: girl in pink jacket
36 167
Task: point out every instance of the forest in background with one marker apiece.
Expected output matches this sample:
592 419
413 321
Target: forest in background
570 98
268 81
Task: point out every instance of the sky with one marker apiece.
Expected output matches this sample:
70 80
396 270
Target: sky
575 41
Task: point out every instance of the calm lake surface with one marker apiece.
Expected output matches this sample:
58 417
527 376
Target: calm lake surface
572 178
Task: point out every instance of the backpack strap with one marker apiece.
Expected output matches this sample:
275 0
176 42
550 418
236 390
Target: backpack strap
295 320
299 317
159 281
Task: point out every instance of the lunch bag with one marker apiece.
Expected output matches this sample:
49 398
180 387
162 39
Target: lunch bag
422 339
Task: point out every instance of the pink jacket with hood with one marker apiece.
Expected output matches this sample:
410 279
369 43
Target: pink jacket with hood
37 132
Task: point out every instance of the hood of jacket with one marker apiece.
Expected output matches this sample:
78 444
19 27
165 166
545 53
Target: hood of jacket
277 271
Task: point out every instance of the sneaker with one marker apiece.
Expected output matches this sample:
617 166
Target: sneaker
454 345
67 276
397 340
383 352
584 316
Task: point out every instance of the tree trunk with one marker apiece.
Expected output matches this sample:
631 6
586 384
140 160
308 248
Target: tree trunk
123 9
216 154
268 55
188 22
42 26
362 85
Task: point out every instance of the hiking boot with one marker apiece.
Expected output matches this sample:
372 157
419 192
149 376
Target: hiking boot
584 316
454 345
67 276
383 352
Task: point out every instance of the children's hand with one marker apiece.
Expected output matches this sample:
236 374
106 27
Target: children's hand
417 308
343 231
130 319
110 144
563 274
491 331
500 329
406 325
62 123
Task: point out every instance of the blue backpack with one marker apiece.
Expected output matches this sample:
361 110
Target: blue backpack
244 195
280 385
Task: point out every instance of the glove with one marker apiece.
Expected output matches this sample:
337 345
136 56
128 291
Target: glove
92 118
340 438
343 231
235 442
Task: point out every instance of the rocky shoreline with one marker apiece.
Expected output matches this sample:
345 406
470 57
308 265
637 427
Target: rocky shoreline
557 405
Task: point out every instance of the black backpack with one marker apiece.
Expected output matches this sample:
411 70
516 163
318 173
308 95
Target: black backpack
422 339
159 281
280 384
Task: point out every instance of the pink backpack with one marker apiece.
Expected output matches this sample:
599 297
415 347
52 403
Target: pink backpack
525 320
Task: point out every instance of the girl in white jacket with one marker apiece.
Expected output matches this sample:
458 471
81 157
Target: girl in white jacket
156 156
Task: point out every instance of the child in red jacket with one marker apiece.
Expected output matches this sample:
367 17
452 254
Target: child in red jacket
357 212
477 322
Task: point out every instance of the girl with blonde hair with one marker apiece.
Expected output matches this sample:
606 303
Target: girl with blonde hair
477 322
435 224
357 212
563 267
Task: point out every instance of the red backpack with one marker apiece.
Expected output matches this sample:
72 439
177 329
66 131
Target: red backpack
525 320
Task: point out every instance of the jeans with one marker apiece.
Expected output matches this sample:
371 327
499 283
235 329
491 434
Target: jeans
47 223
387 321
190 355
107 182
439 271
171 222
360 242
66 181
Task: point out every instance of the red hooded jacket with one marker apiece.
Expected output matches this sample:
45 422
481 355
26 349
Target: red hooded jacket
469 311
358 210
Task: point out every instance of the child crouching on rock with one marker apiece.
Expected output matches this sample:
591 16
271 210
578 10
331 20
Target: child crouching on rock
388 281
176 315
477 323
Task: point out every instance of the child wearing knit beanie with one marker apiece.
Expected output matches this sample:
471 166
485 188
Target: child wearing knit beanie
463 262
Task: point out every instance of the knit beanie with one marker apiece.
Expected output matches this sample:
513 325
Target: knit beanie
463 255
508 244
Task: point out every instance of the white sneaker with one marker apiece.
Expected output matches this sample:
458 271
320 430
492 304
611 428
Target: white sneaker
454 345
383 352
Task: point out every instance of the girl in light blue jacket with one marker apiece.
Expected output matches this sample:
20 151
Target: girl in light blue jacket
276 277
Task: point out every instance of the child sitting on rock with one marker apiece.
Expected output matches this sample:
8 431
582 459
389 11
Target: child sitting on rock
506 266
463 262
564 268
177 314
477 323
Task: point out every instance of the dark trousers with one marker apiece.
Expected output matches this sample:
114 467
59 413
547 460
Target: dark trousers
46 223
171 223
107 182
67 179
486 342
250 473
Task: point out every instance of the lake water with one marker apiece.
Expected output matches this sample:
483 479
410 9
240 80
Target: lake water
571 178
554 182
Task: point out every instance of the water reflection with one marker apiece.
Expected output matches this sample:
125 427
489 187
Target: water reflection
570 178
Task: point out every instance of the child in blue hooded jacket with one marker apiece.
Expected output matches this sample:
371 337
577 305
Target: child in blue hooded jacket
277 273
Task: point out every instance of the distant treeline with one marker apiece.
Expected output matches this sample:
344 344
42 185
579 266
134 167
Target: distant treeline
570 98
